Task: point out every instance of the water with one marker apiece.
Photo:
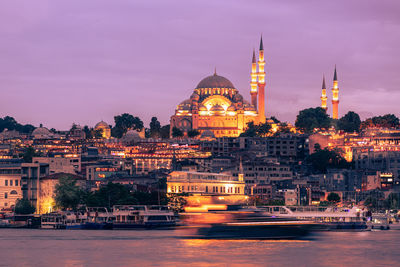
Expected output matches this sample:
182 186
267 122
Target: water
26 247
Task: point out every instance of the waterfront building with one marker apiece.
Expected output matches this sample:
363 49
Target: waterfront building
207 188
10 183
31 173
217 106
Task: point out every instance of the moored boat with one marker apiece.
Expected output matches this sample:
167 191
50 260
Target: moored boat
140 216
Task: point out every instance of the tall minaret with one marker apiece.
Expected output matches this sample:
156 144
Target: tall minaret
253 83
335 97
261 84
323 96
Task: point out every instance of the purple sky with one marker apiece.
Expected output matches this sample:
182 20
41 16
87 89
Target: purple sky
84 61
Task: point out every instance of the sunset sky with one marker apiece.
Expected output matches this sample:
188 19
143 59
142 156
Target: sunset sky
85 61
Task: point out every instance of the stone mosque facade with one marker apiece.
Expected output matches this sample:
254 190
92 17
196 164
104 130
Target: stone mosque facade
216 107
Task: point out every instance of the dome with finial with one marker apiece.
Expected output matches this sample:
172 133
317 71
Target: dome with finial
215 81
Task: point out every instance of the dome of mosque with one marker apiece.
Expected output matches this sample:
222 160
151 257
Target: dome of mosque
215 81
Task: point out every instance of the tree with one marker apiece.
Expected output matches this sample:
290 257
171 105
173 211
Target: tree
125 122
88 132
260 130
24 206
155 127
250 130
68 195
29 153
275 120
385 121
283 128
322 159
164 131
193 133
11 124
109 195
333 197
392 202
311 118
176 133
350 122
97 134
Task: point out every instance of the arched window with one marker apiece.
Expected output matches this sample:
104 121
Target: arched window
13 192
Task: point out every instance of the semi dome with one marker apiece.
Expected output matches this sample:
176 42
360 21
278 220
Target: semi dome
215 81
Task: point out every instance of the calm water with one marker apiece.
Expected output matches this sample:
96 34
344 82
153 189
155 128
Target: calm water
158 248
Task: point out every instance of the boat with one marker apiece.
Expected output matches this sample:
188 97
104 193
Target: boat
141 216
98 218
52 220
253 225
328 218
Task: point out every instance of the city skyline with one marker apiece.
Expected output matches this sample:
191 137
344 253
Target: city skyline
84 63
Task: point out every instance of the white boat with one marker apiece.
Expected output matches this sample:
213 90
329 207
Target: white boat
140 216
330 218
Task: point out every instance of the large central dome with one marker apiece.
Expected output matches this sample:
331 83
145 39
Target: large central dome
215 81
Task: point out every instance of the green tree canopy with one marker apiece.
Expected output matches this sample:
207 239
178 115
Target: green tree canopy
333 197
124 122
260 130
322 159
155 127
23 206
350 122
176 132
28 153
11 124
68 195
193 133
311 118
109 195
164 131
385 121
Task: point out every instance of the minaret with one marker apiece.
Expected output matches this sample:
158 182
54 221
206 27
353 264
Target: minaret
323 96
335 97
253 83
261 84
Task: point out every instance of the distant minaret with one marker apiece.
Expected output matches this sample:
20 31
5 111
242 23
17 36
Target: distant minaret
335 97
261 83
323 96
253 83
241 172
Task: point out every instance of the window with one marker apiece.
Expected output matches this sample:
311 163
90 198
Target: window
11 182
16 182
6 182
5 195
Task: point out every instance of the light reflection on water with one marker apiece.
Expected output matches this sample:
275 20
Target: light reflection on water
143 248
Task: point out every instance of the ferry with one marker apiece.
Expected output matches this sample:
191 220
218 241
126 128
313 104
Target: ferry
140 216
98 218
252 224
328 218
63 220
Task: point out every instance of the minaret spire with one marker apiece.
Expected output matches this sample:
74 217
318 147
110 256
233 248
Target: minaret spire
261 83
323 95
253 81
335 97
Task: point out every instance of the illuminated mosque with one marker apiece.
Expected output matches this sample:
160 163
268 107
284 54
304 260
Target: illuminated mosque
217 108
